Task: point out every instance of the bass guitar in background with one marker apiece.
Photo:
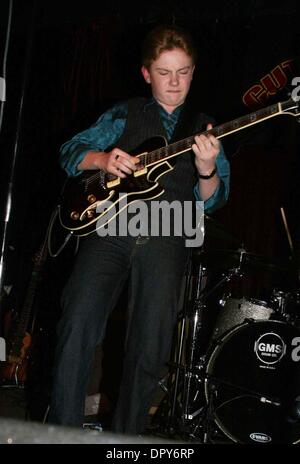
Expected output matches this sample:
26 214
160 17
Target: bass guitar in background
19 331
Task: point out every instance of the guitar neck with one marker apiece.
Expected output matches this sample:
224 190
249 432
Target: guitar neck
177 148
26 310
25 313
230 127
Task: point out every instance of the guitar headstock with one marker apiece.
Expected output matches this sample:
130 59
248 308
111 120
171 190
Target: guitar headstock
291 106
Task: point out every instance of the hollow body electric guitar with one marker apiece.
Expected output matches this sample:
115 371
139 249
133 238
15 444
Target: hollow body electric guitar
91 200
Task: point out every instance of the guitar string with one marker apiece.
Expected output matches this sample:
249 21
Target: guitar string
169 150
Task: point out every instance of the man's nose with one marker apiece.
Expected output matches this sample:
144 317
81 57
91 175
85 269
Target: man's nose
174 79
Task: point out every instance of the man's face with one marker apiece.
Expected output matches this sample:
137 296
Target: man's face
170 77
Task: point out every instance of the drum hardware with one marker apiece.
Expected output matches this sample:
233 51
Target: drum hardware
227 392
193 383
245 392
192 359
175 413
263 399
240 259
279 300
162 384
287 305
167 418
183 411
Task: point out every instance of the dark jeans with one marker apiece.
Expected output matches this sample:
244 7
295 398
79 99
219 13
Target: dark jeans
155 267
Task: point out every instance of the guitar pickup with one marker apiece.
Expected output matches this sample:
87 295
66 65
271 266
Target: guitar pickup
117 181
113 183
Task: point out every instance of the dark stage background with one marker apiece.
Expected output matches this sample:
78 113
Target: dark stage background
68 62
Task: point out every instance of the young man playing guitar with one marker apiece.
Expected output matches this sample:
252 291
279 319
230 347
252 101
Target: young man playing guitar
154 266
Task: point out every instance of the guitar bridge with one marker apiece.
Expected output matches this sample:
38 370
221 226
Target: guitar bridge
140 172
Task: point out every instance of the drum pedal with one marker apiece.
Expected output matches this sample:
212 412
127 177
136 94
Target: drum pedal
194 414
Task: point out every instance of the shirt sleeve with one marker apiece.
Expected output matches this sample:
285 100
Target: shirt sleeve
101 135
220 196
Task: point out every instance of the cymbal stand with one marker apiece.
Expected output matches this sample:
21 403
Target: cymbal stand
236 271
194 365
172 420
169 412
194 361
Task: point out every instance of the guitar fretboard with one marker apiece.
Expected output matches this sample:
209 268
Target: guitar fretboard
182 146
218 131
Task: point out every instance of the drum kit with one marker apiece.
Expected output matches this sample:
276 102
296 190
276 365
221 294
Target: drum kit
239 380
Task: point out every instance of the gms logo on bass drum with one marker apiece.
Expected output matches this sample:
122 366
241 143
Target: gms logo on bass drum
269 348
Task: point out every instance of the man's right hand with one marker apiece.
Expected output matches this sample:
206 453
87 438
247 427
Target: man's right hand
119 163
116 162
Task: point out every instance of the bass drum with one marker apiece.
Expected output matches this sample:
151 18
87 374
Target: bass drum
252 378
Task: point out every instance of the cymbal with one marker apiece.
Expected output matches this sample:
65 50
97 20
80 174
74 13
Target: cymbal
242 259
215 229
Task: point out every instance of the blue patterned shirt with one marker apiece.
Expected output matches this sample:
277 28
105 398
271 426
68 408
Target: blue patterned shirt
107 130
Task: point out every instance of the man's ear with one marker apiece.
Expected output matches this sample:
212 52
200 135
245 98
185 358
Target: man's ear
146 74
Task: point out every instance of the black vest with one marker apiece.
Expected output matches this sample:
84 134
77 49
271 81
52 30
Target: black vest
144 122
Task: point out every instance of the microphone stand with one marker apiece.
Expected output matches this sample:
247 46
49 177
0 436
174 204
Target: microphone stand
12 168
